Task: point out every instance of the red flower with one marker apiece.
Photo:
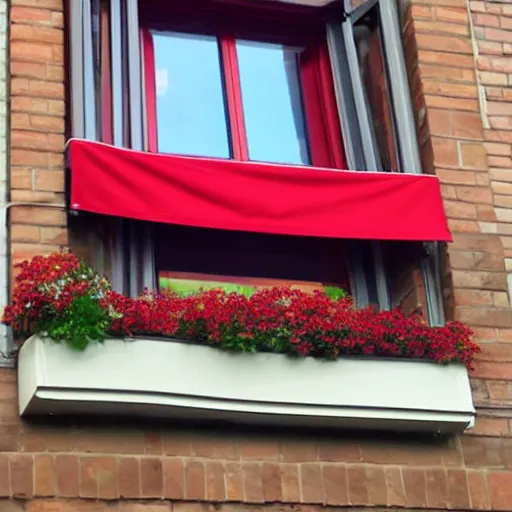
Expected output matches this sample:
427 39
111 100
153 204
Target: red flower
281 320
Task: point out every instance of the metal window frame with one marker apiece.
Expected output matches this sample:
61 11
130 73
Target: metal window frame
355 116
409 148
353 144
141 250
363 121
76 57
89 89
118 277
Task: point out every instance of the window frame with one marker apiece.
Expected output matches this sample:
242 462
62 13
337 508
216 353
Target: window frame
353 115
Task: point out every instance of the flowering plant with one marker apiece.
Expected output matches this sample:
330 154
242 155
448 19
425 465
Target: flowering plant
62 298
58 295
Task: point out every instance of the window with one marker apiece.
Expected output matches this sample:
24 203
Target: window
302 83
241 90
260 95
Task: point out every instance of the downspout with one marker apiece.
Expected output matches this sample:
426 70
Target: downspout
6 345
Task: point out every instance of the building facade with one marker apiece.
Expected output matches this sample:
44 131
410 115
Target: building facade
458 56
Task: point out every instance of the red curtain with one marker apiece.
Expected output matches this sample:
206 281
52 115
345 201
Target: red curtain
257 197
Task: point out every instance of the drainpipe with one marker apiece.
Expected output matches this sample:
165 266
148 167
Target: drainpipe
5 334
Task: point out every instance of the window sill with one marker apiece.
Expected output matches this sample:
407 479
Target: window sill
159 378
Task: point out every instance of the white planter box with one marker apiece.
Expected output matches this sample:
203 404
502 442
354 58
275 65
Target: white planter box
147 377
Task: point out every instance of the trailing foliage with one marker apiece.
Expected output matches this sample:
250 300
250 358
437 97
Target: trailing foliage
64 299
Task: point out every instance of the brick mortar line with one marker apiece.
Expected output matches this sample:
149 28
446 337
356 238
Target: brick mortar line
358 464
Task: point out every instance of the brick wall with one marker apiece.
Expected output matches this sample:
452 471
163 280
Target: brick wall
37 126
459 57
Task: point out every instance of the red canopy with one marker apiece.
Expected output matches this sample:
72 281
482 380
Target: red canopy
258 197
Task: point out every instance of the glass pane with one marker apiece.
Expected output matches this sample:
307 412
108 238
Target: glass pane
188 257
272 102
375 80
190 105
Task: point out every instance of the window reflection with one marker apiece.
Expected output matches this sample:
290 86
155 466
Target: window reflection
272 102
190 105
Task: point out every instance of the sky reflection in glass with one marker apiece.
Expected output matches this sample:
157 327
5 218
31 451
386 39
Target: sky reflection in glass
271 94
191 111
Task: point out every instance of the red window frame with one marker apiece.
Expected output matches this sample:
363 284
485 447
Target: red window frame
320 108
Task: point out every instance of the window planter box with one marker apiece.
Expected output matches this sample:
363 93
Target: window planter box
164 378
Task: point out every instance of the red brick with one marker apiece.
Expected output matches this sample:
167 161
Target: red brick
151 478
55 236
258 449
497 371
67 475
458 492
66 506
290 482
473 155
37 439
49 180
441 88
486 20
490 426
335 484
98 477
444 29
297 451
215 448
311 483
30 15
415 487
339 451
443 43
467 125
453 104
439 122
494 34
22 475
451 14
478 492
376 482
234 481
21 178
383 452
445 152
215 488
195 483
357 488
395 487
44 470
27 69
31 52
253 482
128 478
5 487
420 11
437 487
176 444
173 475
271 478
500 486
44 216
446 58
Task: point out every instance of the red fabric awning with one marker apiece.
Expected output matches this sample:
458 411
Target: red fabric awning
258 197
